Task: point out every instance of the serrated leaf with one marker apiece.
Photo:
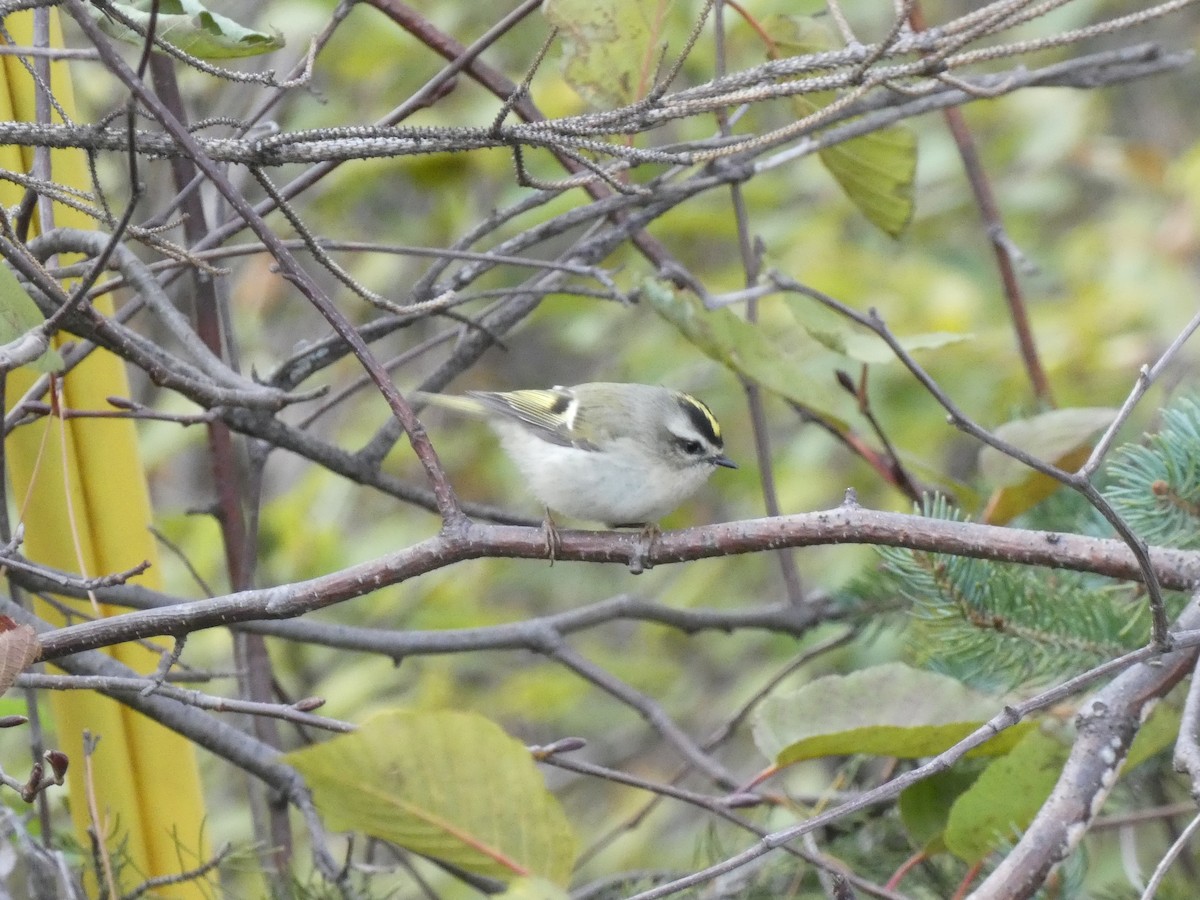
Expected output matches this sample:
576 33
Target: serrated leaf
876 171
1005 797
191 27
19 316
785 361
448 785
610 48
888 710
1061 436
19 648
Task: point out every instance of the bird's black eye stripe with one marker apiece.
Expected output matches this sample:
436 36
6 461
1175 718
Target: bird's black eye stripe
702 419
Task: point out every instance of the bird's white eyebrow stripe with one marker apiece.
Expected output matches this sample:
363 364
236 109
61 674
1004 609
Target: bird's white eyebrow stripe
702 418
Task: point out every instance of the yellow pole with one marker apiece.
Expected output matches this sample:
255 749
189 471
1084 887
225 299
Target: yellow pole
83 489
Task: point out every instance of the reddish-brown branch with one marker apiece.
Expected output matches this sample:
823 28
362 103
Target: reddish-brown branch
990 211
289 266
504 88
847 524
229 481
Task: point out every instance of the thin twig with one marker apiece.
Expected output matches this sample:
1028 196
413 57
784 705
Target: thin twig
989 210
960 420
1009 717
1146 377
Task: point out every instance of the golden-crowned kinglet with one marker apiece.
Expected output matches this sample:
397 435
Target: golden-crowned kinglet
621 454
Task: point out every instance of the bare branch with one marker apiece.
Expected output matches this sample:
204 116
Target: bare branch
845 524
1107 725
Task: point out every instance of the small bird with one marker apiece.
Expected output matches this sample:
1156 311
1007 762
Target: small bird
621 454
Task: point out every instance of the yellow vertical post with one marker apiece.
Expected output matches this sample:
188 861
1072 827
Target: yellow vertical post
88 505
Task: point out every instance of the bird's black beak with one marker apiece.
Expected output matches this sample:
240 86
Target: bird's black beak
723 461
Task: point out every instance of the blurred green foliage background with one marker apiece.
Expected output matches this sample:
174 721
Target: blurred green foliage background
1099 190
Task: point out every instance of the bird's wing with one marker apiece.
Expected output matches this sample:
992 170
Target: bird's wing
548 413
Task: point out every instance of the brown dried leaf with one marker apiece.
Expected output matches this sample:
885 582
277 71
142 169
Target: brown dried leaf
19 647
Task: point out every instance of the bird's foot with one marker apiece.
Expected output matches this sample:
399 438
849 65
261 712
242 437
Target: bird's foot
553 541
642 546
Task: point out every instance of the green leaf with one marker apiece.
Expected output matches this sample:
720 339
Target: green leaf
19 315
1049 436
855 342
610 47
888 710
871 348
189 26
533 889
448 785
1005 798
799 35
925 807
784 360
876 171
1157 733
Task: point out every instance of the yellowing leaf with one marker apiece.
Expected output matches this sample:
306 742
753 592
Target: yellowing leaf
1061 436
189 26
610 47
877 170
888 710
1048 436
449 785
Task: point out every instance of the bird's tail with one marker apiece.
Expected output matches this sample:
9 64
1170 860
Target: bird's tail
457 403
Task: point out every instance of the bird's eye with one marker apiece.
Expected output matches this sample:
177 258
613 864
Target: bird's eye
691 448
